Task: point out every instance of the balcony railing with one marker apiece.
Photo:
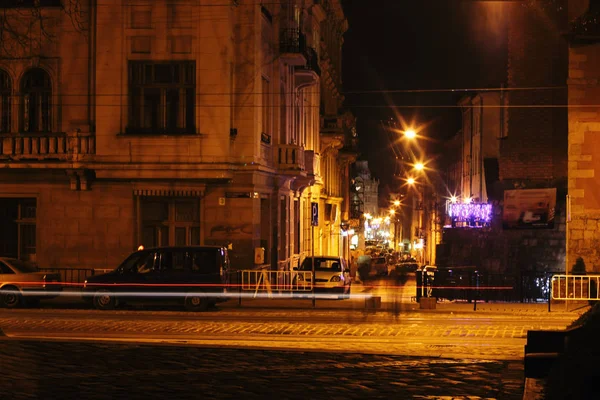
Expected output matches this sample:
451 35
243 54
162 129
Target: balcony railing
47 146
290 157
292 41
331 124
312 61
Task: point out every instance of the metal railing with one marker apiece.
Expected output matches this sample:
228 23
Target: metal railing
575 287
71 275
465 284
74 276
275 281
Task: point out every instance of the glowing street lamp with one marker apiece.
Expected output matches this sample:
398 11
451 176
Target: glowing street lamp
410 134
411 181
397 203
419 166
453 199
392 212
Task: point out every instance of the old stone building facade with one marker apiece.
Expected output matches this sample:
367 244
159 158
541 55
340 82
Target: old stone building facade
517 145
584 134
172 123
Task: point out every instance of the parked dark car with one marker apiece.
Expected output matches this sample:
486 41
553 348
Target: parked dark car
380 266
196 276
404 267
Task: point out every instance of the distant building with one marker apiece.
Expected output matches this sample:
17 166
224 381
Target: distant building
511 166
367 188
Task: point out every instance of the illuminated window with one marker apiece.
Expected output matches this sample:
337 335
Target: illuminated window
36 99
5 96
162 97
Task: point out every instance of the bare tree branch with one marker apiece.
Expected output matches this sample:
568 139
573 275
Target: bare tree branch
26 26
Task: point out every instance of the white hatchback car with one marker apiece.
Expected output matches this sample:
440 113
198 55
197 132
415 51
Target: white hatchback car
332 274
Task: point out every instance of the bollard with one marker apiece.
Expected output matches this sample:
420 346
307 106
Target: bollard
239 282
373 303
427 303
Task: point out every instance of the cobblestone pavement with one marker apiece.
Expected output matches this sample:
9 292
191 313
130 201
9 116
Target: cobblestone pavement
60 370
422 334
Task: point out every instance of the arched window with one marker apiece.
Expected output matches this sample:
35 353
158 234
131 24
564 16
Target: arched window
5 97
36 92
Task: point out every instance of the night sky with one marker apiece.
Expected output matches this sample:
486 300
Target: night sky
423 45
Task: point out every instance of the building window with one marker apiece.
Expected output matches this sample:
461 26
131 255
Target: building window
141 17
5 96
179 16
170 221
162 97
297 224
18 228
36 100
283 229
267 111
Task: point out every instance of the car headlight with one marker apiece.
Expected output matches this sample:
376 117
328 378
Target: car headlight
336 278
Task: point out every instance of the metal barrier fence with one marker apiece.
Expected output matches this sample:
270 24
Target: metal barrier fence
575 287
278 281
71 275
75 276
475 285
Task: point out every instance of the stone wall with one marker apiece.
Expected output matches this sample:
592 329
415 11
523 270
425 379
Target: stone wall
511 252
536 143
584 163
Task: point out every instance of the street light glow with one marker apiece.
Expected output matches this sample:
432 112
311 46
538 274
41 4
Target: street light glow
410 133
397 203
410 181
392 212
453 199
419 166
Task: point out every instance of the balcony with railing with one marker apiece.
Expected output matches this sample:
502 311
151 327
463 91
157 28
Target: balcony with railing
67 147
332 131
308 74
290 159
292 46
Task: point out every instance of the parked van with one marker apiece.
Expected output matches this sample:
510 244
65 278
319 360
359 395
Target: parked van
196 276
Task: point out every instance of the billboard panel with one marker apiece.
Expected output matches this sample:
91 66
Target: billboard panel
529 209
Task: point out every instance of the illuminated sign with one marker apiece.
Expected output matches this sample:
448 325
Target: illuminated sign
473 214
